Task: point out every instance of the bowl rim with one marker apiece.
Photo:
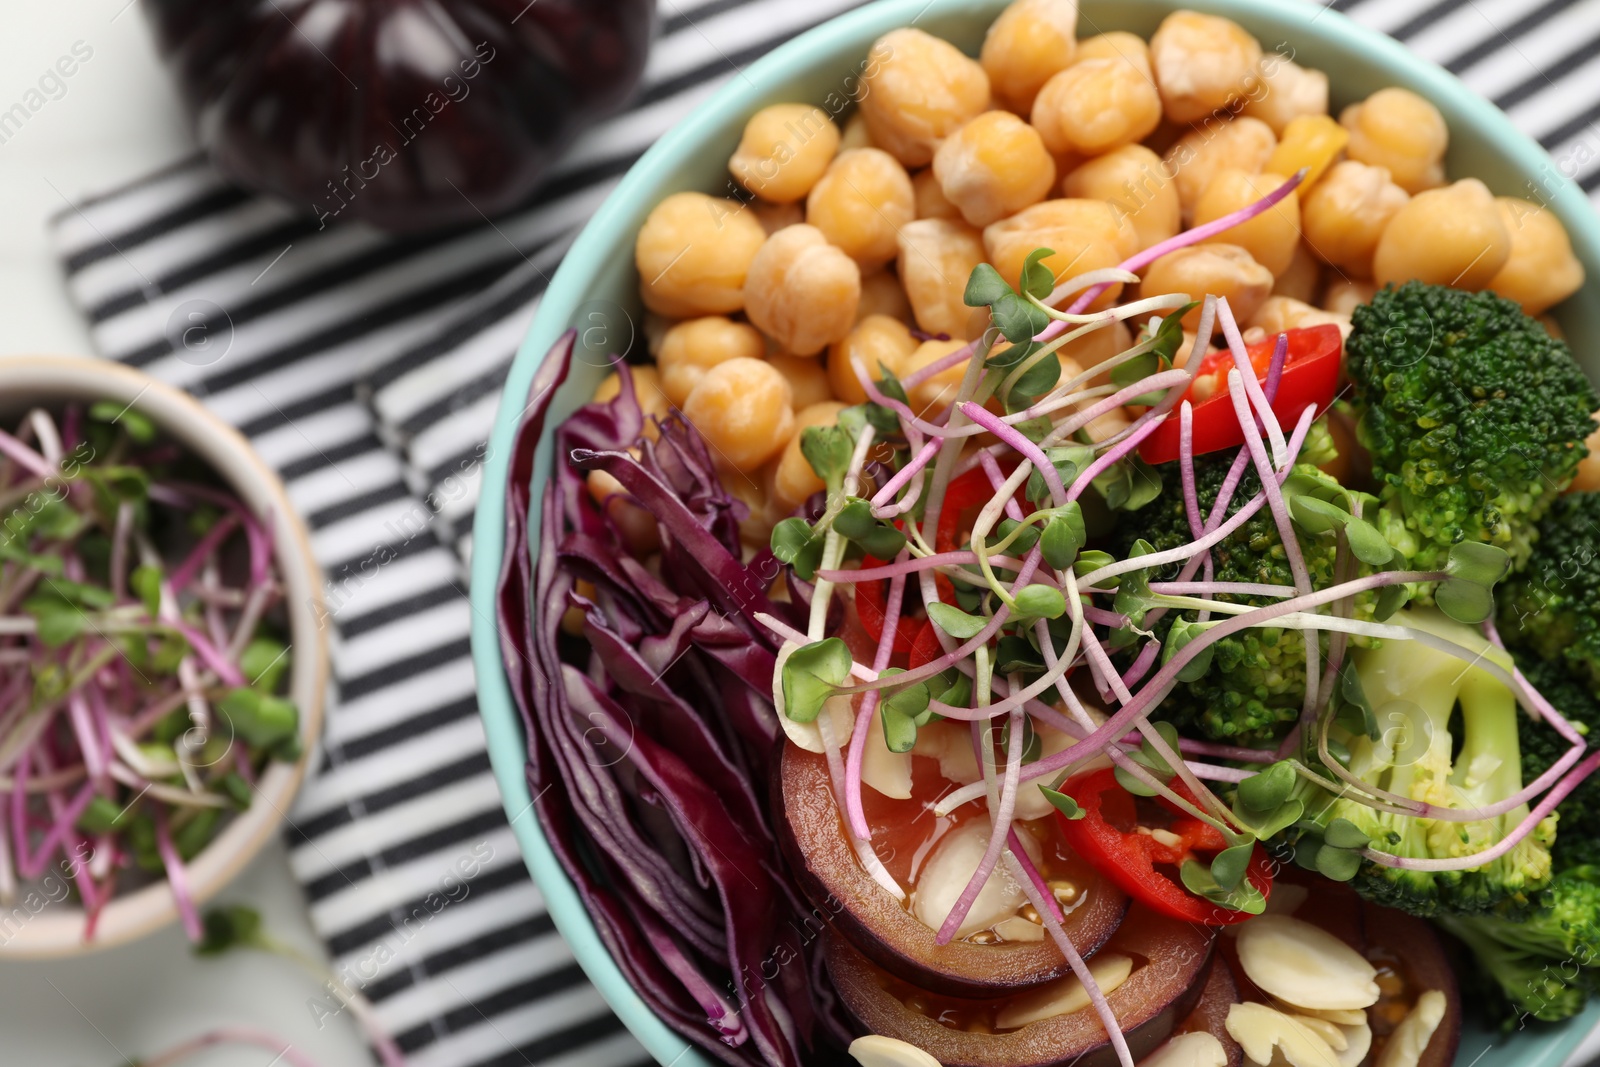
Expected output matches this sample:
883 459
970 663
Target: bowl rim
55 931
732 102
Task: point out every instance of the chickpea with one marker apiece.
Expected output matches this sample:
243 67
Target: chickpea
1085 234
639 529
1303 278
808 379
1245 143
744 410
1344 295
1202 63
994 166
784 150
1133 179
1399 130
934 395
1346 213
692 253
793 480
1118 44
1272 236
1312 142
1096 105
647 392
1096 346
881 294
1107 426
877 340
1220 269
573 618
802 291
694 346
1029 41
936 258
1286 91
1280 313
1551 326
1587 480
861 203
916 91
931 201
1450 236
855 133
774 217
1542 270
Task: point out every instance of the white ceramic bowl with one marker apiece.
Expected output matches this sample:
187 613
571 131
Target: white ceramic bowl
56 929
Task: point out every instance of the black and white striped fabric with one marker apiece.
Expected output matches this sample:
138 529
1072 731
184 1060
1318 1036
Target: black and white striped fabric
366 369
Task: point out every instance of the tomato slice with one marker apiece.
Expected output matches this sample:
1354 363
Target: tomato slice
1310 378
1107 837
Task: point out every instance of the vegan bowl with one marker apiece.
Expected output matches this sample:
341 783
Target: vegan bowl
1061 498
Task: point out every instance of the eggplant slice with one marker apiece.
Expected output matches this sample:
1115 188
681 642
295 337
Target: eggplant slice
1171 958
1411 947
1210 1012
813 837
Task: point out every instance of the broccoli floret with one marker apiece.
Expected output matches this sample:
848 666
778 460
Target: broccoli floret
1541 959
1444 733
1257 681
1474 415
1578 837
1552 607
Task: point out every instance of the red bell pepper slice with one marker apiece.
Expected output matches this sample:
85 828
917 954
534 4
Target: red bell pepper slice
962 494
1107 838
1310 378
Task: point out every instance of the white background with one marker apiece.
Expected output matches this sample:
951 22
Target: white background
119 118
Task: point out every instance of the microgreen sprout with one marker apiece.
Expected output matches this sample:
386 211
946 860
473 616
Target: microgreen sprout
143 697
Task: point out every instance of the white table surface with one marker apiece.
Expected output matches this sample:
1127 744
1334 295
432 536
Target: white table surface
119 118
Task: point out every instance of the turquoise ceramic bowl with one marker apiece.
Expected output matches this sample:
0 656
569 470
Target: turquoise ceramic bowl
597 285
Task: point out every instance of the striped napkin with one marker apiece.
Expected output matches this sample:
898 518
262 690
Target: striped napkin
366 369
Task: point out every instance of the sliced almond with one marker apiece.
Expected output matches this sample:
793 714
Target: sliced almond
887 772
1065 995
875 1050
1017 928
1304 965
1330 1033
1336 1016
1410 1039
1194 1049
950 867
1031 803
1358 1043
1260 1030
951 745
1286 898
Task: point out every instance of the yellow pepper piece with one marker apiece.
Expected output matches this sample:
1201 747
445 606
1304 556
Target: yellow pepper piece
1310 141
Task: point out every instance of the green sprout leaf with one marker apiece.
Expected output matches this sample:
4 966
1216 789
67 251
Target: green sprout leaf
1038 379
1478 564
1179 635
1037 279
794 542
984 287
811 673
855 519
827 449
1067 460
1229 865
1062 803
1354 696
1064 536
1342 833
1266 790
1026 539
1128 484
955 622
1093 560
957 688
228 927
1336 863
263 721
1040 601
1464 601
263 663
135 424
1391 598
1169 335
145 582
